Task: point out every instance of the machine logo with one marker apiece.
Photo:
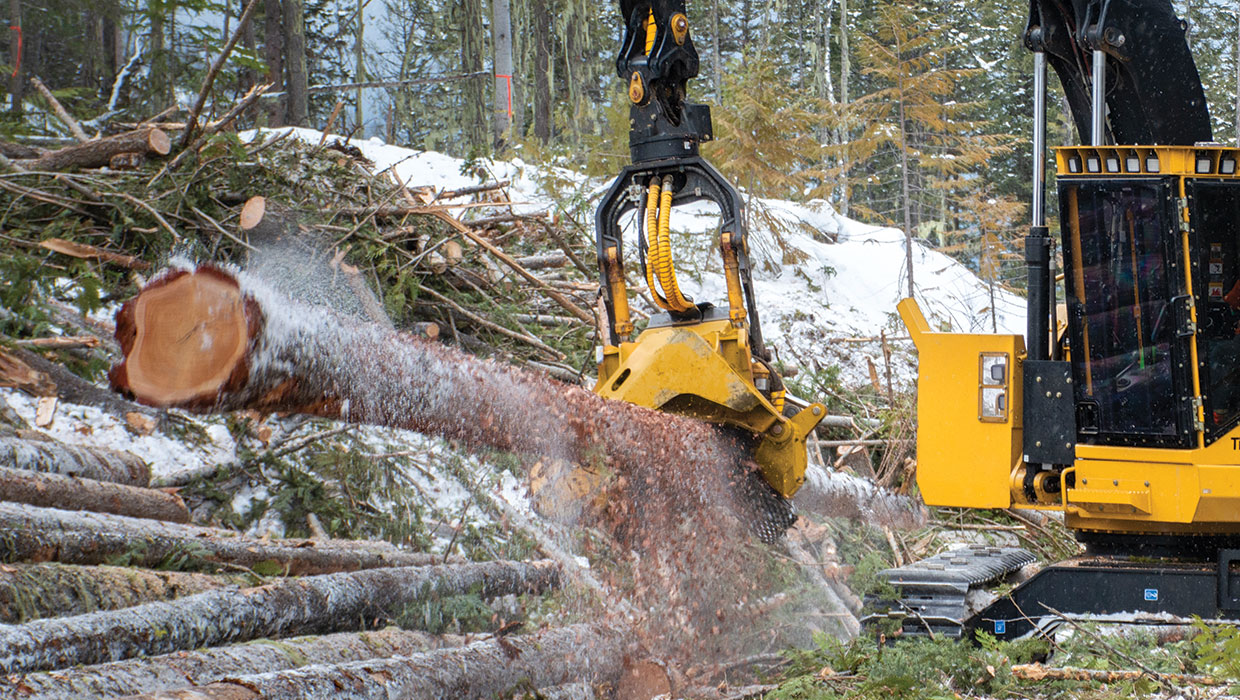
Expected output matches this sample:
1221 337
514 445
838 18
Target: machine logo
1000 626
1151 594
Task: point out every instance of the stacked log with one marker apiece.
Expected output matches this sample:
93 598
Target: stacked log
35 534
95 463
484 669
74 493
34 591
203 666
315 604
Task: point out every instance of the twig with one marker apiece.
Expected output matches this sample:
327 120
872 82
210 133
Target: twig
1038 672
556 354
221 229
191 123
59 110
63 342
310 439
564 246
475 189
516 267
1158 677
163 222
215 126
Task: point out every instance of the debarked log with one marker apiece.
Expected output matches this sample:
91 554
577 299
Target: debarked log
34 534
95 463
34 591
310 605
485 669
75 493
200 667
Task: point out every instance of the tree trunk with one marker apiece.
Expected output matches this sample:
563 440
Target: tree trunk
34 591
202 666
359 72
542 69
73 389
17 77
485 669
273 52
501 44
73 493
295 62
99 152
272 356
249 39
48 534
311 605
472 52
94 463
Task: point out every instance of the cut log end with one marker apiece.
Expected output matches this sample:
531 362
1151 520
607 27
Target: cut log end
189 336
252 212
159 142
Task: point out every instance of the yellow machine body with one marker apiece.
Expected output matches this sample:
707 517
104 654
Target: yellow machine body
970 441
705 370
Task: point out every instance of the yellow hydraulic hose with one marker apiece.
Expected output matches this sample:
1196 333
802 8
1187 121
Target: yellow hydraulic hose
665 268
652 242
651 31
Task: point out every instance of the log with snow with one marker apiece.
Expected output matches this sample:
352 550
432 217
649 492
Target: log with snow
314 604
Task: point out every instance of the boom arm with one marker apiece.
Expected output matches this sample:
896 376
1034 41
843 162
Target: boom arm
1153 91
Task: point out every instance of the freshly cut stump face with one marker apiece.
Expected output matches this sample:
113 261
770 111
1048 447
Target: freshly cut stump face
191 333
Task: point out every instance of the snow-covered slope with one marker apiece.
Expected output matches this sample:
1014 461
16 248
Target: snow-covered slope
812 292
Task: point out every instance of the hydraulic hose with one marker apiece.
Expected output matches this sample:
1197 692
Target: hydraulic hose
664 267
652 242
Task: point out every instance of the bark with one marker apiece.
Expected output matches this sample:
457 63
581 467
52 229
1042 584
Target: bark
542 70
311 605
16 374
73 389
273 52
199 667
483 669
94 463
35 591
295 62
833 494
74 493
34 534
99 152
472 51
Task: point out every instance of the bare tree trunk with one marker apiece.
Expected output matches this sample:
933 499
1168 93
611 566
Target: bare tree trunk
311 605
70 460
73 493
34 591
249 39
35 534
295 62
480 670
180 669
541 19
273 52
501 41
716 56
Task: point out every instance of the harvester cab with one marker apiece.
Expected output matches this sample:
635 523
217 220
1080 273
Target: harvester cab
1130 429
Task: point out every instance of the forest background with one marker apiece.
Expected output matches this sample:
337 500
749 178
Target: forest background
915 114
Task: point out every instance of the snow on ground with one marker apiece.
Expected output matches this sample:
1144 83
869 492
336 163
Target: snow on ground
86 425
812 293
